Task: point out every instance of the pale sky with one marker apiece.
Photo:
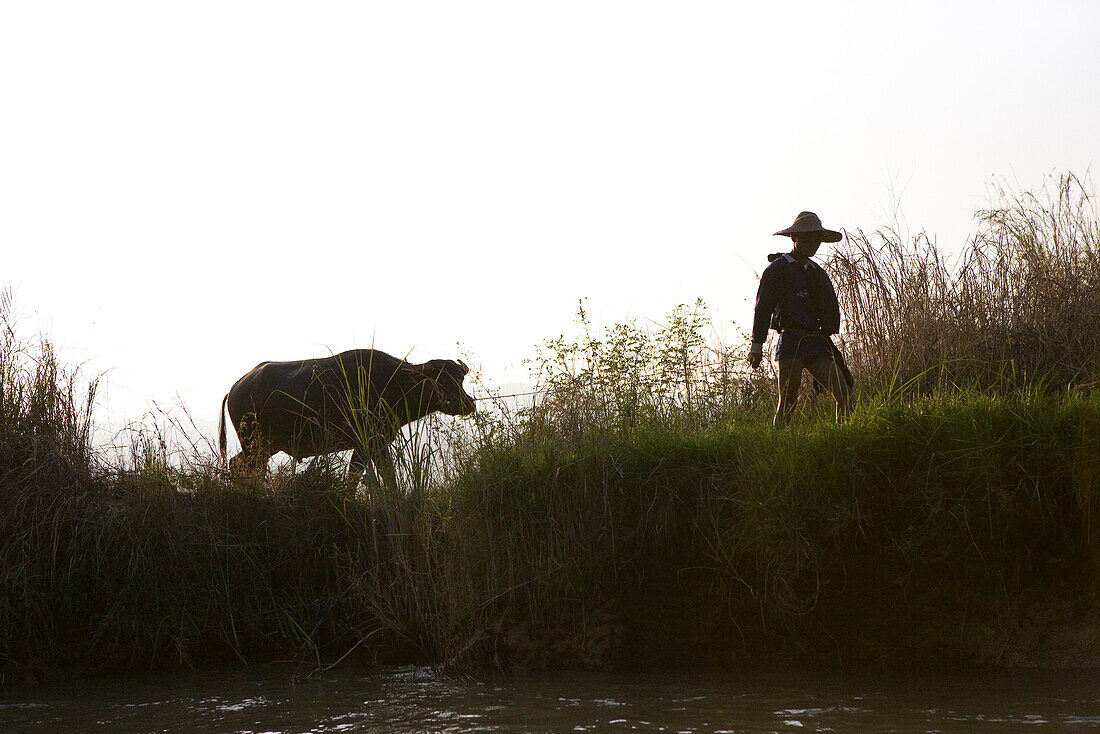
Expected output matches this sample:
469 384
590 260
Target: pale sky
187 189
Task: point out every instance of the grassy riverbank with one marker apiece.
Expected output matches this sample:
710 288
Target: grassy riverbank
713 544
730 544
641 512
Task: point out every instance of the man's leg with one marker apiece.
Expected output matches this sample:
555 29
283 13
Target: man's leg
790 375
826 371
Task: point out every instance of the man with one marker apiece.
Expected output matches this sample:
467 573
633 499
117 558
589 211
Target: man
797 299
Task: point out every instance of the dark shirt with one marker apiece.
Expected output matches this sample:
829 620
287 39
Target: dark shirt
792 296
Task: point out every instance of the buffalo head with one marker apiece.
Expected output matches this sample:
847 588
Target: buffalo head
449 396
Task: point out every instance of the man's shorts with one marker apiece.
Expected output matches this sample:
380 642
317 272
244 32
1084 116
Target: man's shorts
801 345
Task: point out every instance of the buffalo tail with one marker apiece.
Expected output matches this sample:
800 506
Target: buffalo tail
221 428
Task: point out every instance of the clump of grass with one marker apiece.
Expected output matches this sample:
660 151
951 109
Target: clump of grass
47 475
1018 309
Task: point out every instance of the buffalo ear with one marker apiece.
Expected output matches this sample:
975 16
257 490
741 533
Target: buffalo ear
465 369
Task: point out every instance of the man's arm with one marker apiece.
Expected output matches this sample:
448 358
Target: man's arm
767 297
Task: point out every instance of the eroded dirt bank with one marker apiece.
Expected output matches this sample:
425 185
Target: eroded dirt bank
878 618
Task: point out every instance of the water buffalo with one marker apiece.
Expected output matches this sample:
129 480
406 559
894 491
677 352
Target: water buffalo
356 400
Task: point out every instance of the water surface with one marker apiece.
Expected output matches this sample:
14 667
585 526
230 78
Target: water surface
270 701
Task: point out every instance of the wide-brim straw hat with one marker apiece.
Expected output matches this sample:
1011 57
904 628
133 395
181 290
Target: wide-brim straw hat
807 222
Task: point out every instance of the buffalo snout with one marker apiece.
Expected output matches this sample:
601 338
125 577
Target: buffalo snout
466 404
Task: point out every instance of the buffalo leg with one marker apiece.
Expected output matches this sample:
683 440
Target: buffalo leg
384 468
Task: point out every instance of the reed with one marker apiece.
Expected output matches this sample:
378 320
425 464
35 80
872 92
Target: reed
1016 309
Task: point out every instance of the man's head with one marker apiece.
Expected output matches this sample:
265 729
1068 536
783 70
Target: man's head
806 243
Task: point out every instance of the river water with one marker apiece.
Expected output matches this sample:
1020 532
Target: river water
270 701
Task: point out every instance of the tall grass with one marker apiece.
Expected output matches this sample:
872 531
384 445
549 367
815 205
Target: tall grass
1018 308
